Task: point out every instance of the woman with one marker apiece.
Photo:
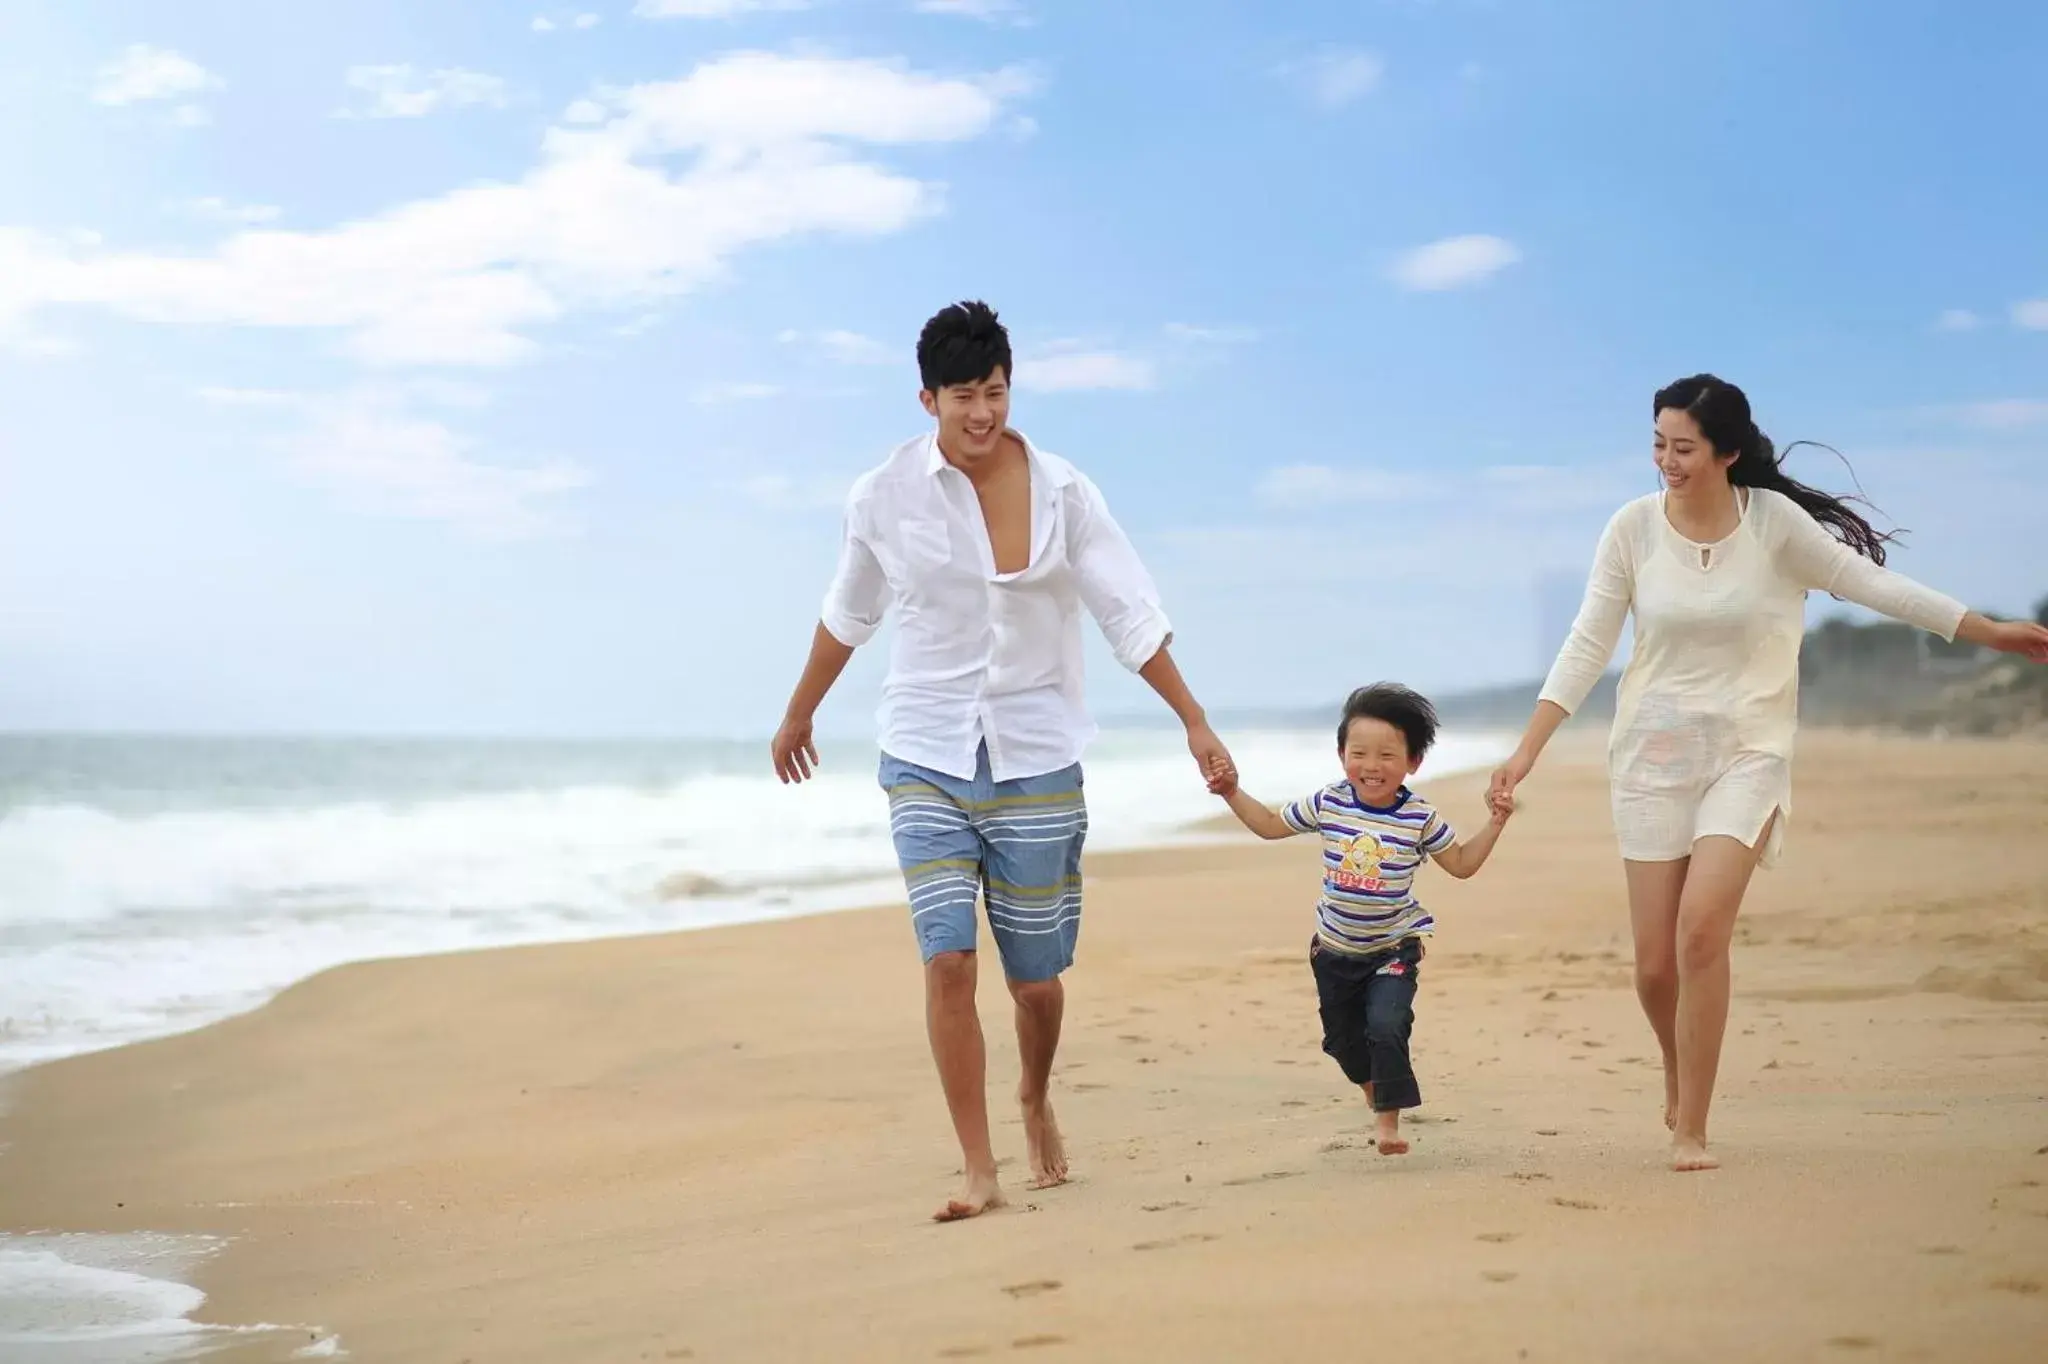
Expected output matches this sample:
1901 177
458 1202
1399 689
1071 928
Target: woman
1715 569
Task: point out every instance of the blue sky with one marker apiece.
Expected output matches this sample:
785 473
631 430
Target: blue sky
498 368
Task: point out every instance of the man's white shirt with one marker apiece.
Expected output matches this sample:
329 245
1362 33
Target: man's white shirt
981 656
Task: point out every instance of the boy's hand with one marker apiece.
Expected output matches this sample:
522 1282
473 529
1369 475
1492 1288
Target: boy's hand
1222 777
1501 806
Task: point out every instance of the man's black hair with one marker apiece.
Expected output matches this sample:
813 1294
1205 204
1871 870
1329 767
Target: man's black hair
1406 710
964 343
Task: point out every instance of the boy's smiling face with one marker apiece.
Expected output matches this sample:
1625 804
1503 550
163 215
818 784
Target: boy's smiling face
1376 759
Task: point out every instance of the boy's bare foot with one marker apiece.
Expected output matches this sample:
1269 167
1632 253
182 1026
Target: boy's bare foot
1391 1142
1048 1151
980 1194
1690 1153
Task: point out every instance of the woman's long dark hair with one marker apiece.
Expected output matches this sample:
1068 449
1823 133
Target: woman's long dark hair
1722 412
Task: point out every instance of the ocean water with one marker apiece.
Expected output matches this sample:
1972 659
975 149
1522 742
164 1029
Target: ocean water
153 885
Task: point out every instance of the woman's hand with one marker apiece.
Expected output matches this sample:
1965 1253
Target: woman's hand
2028 639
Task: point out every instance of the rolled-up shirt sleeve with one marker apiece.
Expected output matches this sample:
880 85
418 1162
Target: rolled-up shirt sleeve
1610 591
1113 583
859 594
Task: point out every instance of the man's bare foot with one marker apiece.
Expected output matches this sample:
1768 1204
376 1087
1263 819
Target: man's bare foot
1690 1153
1391 1142
1671 1093
981 1194
1048 1151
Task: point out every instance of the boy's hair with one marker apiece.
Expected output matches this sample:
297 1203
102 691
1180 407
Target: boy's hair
964 343
1406 710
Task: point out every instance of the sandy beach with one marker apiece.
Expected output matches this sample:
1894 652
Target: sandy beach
725 1145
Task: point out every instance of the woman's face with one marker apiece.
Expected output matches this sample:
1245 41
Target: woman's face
1684 457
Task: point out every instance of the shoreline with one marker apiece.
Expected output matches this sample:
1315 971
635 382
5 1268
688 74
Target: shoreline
681 900
707 1142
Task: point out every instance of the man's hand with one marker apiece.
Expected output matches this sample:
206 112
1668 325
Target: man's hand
1218 771
793 750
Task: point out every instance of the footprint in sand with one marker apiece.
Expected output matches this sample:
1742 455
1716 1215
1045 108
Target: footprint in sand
1133 1037
1086 1087
1525 1176
1033 1288
1498 1275
1853 1342
1941 1250
1498 1238
963 1351
1265 1178
1036 1342
1190 1239
1161 1207
2026 1288
1579 1203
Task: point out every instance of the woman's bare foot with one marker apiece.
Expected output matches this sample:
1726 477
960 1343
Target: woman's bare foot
1391 1142
1048 1151
1690 1153
980 1194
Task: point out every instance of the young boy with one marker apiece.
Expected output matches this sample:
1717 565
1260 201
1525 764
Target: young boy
1368 943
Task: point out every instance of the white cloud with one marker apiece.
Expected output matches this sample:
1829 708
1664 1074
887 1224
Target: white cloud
543 24
248 397
221 211
1068 369
401 92
1454 262
1336 76
587 20
711 9
1529 487
381 456
988 11
843 347
2032 314
787 492
770 150
1210 336
1958 320
1316 485
715 395
143 73
2005 414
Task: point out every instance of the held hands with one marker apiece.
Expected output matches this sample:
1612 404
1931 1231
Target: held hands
1218 771
1500 792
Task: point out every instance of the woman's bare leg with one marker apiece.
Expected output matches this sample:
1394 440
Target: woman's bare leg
1714 887
1653 896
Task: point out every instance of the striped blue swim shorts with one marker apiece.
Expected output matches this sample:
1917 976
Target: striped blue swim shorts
1016 844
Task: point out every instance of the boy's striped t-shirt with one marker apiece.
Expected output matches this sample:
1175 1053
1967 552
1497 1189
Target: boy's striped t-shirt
1370 857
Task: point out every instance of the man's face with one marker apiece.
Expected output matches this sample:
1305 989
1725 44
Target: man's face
972 417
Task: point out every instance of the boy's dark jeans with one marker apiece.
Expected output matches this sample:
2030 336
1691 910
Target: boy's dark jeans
1368 1007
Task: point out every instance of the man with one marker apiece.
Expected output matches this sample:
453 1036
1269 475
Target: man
988 548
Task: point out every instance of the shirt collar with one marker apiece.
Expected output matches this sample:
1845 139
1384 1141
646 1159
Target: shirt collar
1047 475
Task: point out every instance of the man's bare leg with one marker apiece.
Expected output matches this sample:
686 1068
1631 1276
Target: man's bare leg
955 1030
1653 891
1041 1005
